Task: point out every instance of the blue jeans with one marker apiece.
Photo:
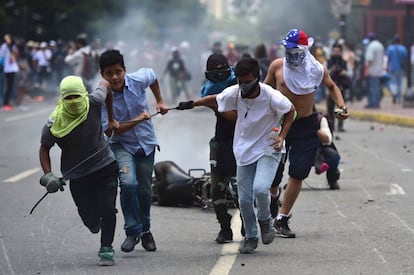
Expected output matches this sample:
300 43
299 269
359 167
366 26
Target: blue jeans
396 84
1 86
135 179
374 91
253 184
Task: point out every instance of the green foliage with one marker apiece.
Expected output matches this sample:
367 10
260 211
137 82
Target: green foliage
51 19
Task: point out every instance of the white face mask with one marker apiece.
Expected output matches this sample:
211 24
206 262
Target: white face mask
294 57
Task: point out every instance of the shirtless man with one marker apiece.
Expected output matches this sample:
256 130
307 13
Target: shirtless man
297 76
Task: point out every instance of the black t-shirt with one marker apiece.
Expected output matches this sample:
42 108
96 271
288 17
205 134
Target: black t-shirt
224 128
176 67
84 141
336 64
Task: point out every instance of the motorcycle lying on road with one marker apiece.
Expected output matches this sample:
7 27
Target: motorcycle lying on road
172 186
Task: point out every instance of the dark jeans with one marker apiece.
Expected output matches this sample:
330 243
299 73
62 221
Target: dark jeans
95 197
223 169
330 106
9 88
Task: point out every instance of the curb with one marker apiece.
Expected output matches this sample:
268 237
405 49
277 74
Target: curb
385 118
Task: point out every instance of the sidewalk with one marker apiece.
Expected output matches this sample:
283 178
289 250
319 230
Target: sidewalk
389 113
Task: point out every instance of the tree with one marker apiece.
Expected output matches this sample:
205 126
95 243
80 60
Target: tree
51 19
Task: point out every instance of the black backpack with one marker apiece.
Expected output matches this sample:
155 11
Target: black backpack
90 66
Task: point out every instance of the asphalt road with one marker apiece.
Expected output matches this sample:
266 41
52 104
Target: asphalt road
367 227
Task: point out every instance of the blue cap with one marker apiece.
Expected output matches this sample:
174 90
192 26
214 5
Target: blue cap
294 38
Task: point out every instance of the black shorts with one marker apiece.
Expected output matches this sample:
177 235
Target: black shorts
301 144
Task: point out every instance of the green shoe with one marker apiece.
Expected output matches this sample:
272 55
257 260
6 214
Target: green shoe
106 256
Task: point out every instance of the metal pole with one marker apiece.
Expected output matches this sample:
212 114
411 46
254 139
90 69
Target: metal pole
408 42
342 26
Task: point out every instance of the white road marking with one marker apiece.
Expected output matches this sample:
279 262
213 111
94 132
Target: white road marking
406 170
22 175
395 189
401 221
6 256
375 154
359 227
229 251
379 255
27 115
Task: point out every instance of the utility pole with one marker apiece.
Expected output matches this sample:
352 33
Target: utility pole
342 25
408 42
341 8
408 97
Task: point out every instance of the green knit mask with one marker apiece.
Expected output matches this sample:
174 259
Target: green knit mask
69 113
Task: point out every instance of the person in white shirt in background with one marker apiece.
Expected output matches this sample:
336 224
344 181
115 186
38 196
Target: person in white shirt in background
75 58
374 59
41 60
75 55
9 53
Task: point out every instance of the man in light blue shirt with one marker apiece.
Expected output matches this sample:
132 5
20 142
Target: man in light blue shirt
397 54
133 145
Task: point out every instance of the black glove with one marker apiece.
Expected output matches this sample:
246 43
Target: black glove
185 105
52 183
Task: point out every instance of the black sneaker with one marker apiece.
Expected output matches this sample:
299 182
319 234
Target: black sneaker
282 228
242 231
248 245
334 185
147 241
224 236
267 231
275 203
129 244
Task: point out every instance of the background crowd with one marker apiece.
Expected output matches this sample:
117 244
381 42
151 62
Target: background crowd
32 69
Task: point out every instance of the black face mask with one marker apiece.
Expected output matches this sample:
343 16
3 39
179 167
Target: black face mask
218 75
247 89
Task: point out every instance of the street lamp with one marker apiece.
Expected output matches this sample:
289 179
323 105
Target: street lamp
408 99
341 8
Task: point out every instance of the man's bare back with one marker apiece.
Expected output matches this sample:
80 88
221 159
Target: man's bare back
274 78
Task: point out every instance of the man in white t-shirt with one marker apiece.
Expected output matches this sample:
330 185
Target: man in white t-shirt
374 57
41 60
76 60
260 109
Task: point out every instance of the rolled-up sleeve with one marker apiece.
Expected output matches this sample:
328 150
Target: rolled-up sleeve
227 99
